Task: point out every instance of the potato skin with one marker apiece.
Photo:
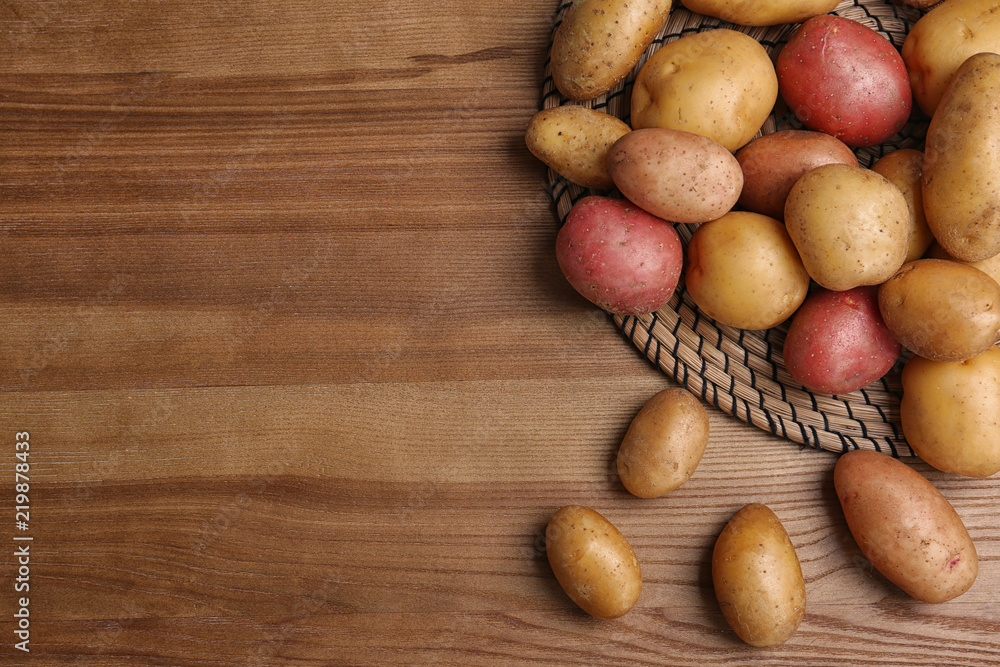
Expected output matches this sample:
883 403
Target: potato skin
600 41
676 175
593 562
904 169
743 271
574 142
618 256
989 266
664 444
950 413
757 577
849 224
841 77
718 83
773 162
761 12
942 39
961 175
838 343
905 527
941 310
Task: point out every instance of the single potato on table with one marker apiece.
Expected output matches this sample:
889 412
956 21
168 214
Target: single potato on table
961 174
850 225
600 41
744 271
718 83
942 39
593 562
676 175
664 444
762 12
904 168
941 310
838 342
758 578
773 162
574 142
950 413
905 527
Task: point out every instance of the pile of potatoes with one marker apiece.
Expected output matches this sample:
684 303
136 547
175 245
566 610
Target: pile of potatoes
865 266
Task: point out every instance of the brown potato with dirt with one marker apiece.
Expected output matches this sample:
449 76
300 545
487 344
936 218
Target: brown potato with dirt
905 527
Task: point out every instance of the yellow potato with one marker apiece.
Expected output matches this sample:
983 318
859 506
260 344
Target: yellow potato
675 175
757 577
761 12
961 181
850 225
719 83
942 310
593 562
744 271
989 266
664 444
942 40
904 168
600 41
905 527
950 413
574 141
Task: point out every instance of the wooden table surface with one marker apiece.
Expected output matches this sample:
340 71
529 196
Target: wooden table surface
302 382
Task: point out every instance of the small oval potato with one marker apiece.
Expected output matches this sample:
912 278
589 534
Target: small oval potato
618 256
850 225
574 142
941 310
675 175
837 341
600 41
950 413
593 562
904 168
757 577
761 12
773 162
942 40
905 527
961 175
718 83
664 444
743 271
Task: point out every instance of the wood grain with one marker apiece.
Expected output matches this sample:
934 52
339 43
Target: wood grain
304 384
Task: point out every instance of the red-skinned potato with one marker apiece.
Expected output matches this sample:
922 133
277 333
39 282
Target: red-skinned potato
838 343
773 162
843 78
618 256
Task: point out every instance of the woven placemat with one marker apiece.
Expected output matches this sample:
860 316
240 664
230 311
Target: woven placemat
740 372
